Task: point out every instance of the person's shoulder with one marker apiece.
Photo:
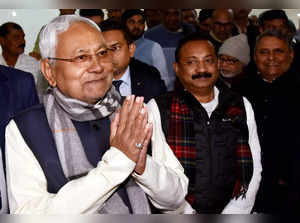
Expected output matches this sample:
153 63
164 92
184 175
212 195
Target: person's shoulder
31 111
155 29
15 74
146 68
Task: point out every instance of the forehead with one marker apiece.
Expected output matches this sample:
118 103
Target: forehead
12 30
172 11
136 17
114 36
197 48
274 22
271 42
80 35
222 16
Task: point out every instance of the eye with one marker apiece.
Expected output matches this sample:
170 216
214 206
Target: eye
81 58
115 48
102 53
190 62
210 60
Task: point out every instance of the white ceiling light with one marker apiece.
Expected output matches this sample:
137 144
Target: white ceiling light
14 13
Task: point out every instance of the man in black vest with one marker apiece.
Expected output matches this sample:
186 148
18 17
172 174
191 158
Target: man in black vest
80 151
212 131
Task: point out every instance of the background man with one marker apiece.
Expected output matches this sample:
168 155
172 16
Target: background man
190 16
12 42
97 15
17 92
82 162
207 125
147 51
137 77
153 17
234 56
222 27
167 35
273 93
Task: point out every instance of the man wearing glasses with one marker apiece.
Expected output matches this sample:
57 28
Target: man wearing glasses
222 27
81 152
234 56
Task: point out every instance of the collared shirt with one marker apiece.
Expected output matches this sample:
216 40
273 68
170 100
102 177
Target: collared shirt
151 52
25 63
125 87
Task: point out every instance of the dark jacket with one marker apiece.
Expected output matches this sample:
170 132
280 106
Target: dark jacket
216 141
276 107
145 80
17 92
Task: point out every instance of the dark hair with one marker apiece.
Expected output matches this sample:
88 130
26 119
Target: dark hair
131 12
272 14
205 14
112 24
277 34
196 36
91 12
4 28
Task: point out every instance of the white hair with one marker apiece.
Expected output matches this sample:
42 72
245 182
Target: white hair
60 24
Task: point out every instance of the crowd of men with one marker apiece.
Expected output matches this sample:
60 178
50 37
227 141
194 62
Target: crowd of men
151 111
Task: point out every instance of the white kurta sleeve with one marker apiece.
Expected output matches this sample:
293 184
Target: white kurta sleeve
27 185
163 180
244 206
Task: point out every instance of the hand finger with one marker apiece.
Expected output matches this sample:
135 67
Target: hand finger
133 115
124 113
114 126
149 130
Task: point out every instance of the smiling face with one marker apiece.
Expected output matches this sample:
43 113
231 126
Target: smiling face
197 58
272 57
88 81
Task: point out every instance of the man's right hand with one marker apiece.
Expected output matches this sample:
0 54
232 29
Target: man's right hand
129 127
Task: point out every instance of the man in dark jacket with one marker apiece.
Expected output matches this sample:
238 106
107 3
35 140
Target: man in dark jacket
17 92
274 95
212 132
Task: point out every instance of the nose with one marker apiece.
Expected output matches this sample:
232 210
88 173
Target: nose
95 65
271 56
201 67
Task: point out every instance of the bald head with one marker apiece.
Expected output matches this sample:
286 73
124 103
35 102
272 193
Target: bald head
222 23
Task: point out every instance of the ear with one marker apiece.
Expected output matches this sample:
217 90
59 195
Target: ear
175 67
291 56
48 72
218 63
132 48
261 30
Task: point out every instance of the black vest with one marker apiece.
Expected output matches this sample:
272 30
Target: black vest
216 141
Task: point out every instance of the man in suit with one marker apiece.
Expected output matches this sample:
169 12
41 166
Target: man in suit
137 77
17 92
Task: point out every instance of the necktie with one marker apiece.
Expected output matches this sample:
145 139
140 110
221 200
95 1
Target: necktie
117 84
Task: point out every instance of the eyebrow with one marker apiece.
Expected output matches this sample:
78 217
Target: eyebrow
87 50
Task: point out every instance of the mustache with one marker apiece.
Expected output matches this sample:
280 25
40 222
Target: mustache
201 75
22 45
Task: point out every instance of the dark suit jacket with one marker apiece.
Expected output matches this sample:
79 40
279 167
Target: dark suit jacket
145 80
17 92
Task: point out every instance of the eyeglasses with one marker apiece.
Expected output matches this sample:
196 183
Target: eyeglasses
83 59
230 61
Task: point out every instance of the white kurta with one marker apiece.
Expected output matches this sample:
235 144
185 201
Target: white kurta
163 179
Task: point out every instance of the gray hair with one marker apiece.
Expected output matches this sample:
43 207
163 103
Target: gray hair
277 34
60 24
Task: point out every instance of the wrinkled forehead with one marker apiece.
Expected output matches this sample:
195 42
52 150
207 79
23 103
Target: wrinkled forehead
80 35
